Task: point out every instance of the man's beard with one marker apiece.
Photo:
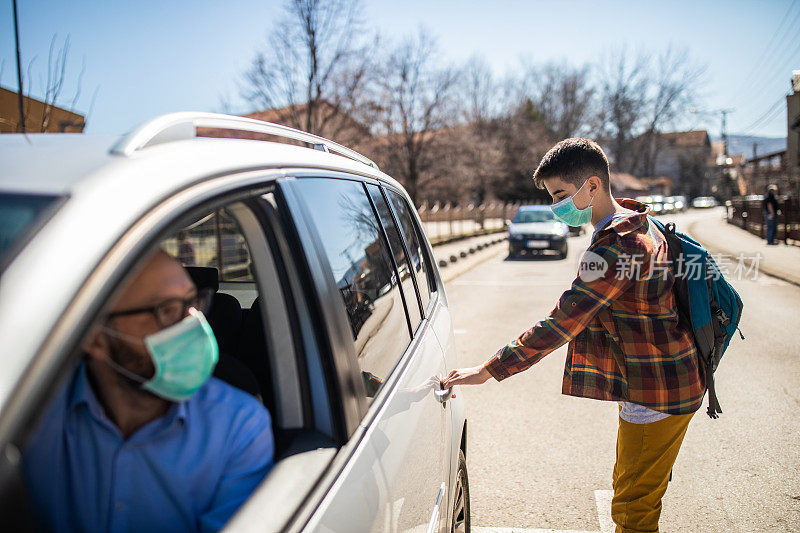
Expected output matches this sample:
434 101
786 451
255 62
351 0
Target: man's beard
132 360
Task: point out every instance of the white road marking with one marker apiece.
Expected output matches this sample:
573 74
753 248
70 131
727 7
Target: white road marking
460 331
602 499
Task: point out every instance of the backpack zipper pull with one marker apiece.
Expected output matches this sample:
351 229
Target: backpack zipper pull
740 332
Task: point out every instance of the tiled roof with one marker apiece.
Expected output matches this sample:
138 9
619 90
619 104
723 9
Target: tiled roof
686 138
623 181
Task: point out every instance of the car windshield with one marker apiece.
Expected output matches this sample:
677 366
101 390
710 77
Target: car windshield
526 217
20 215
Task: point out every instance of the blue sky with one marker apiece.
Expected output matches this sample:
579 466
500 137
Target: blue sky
145 58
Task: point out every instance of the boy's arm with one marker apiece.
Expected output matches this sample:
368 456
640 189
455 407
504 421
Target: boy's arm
591 291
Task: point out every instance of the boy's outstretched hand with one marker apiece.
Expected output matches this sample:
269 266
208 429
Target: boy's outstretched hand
466 376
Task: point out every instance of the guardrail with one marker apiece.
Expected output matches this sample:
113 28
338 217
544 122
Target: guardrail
748 213
444 221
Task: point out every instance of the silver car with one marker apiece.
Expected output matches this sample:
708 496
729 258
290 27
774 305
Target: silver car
327 299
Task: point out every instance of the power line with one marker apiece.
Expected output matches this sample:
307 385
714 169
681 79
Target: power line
781 61
19 71
773 112
759 63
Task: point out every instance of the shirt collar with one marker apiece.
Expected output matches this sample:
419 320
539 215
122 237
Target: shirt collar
630 222
83 394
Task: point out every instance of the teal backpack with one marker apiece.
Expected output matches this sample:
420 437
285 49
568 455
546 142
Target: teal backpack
707 304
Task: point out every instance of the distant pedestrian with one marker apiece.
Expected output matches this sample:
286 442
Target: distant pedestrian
771 214
185 250
620 320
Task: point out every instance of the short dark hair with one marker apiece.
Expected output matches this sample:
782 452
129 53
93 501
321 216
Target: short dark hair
573 160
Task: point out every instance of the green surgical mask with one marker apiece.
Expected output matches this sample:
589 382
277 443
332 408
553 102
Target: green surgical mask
570 215
184 356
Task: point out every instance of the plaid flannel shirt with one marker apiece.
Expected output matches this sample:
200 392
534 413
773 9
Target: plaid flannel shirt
621 325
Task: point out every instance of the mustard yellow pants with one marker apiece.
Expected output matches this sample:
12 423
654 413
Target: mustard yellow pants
645 455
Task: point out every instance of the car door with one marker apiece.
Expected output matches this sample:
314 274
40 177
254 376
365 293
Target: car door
416 420
396 481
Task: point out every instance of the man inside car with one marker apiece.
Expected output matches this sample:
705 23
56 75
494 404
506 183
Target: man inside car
141 437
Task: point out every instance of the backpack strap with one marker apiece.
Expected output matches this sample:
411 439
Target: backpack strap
718 319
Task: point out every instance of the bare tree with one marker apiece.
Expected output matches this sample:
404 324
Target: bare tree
482 100
411 106
674 82
563 96
623 95
641 95
52 87
523 140
316 62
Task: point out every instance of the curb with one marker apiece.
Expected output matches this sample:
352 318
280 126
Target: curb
464 237
714 249
463 254
449 275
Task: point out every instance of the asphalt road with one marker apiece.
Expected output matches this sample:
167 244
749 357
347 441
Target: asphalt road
542 461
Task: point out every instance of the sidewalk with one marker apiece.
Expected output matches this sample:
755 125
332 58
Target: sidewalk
719 237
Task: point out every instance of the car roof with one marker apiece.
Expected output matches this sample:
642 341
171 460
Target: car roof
50 163
58 163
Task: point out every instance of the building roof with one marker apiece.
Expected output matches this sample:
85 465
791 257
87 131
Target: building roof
687 138
39 116
621 181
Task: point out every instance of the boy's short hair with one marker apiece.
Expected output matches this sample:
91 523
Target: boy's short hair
573 160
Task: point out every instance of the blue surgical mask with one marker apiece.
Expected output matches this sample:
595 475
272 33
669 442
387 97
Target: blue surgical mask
570 215
184 356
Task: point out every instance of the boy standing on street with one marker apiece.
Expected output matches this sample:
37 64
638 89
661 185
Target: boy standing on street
620 320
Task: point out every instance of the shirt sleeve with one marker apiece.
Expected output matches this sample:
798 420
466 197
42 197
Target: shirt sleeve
592 291
250 457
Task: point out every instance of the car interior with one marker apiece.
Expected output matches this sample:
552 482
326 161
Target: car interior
241 315
266 341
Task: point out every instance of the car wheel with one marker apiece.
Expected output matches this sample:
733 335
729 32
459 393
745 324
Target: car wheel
461 520
563 253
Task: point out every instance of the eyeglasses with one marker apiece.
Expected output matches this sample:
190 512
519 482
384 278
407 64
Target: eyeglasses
172 310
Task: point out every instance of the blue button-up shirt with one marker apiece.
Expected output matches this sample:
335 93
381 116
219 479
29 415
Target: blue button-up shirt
188 470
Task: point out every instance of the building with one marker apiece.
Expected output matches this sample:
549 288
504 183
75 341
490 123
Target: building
684 156
793 134
781 168
625 185
40 117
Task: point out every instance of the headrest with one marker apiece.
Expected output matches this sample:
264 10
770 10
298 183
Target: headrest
204 277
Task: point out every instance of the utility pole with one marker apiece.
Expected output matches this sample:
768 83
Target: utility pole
724 114
724 118
19 72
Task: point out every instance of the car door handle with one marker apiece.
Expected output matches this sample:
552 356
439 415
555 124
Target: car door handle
443 394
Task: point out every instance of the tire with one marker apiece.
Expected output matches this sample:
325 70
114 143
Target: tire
563 252
461 522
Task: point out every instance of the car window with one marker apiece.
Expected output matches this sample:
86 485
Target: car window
142 408
527 217
362 269
418 260
19 215
398 252
213 241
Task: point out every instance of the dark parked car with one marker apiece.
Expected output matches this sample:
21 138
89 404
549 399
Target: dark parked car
535 229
